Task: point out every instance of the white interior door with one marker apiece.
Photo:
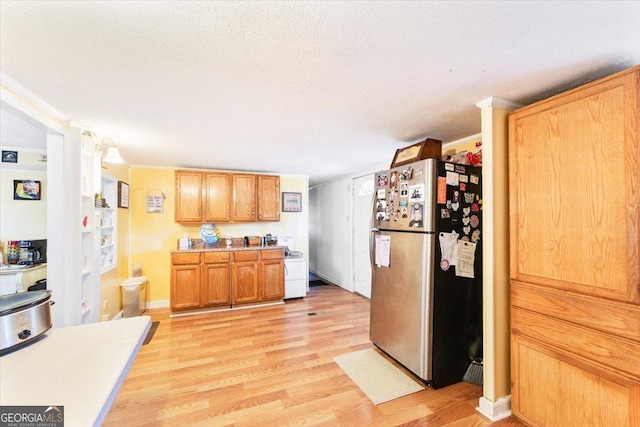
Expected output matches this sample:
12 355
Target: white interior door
362 209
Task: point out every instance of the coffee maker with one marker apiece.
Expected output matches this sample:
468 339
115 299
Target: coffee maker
32 252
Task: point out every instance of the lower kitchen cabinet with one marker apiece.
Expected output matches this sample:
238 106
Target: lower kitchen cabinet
226 278
185 281
272 274
216 276
244 277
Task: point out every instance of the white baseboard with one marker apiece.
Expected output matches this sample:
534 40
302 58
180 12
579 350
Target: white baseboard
163 303
118 316
497 410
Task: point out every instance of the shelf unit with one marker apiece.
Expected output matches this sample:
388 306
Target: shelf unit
99 226
89 300
108 243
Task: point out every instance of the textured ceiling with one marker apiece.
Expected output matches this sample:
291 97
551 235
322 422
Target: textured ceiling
315 88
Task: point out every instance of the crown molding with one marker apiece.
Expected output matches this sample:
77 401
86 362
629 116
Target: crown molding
14 93
494 101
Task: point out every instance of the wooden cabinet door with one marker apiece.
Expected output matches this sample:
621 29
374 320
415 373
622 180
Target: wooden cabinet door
217 200
244 282
575 191
185 287
272 279
216 279
216 285
188 196
244 197
561 390
574 226
244 277
268 198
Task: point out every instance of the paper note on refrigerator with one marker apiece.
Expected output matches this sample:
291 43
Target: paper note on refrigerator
466 259
448 249
383 250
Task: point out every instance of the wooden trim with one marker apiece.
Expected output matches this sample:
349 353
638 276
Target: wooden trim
185 259
610 317
606 351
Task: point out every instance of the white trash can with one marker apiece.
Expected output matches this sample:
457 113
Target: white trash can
134 296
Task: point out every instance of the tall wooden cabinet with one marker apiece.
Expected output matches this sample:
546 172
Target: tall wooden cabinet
575 266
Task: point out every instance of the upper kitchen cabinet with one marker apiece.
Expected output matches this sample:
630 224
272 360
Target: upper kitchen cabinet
268 198
244 197
217 197
189 196
203 196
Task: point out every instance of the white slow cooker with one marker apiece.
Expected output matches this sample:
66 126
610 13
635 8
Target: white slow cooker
24 316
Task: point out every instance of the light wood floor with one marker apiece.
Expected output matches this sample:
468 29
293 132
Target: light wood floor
273 366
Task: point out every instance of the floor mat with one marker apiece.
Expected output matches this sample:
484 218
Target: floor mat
316 280
378 378
152 330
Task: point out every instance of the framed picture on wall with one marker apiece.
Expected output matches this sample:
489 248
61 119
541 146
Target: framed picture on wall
26 189
9 156
123 195
291 202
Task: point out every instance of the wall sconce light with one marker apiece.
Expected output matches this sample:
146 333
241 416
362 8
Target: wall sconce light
113 154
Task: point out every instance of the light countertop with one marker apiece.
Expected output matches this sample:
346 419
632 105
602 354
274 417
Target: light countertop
15 269
200 246
78 367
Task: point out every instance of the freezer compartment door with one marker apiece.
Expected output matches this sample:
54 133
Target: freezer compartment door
405 197
401 301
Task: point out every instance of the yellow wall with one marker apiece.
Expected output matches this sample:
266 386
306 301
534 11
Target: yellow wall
455 147
155 235
495 178
110 292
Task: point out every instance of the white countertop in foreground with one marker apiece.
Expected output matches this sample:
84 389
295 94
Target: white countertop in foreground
78 367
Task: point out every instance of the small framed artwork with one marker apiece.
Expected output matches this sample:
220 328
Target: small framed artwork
123 195
26 189
291 202
9 156
155 201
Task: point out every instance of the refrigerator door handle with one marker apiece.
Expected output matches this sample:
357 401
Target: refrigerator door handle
371 239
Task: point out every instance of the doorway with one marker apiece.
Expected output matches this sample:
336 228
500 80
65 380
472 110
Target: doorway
362 207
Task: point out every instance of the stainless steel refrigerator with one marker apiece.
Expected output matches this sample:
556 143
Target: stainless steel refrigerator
426 251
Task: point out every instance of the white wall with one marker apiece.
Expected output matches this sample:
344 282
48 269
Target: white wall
331 229
330 232
330 223
22 219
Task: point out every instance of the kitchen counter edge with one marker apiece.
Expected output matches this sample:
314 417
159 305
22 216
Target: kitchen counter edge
224 248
